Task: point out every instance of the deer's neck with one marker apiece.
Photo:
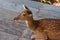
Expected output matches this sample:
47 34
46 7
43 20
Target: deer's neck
30 24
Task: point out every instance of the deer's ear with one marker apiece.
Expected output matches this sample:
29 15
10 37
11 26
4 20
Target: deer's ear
25 7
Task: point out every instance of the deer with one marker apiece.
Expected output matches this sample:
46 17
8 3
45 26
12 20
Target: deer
49 28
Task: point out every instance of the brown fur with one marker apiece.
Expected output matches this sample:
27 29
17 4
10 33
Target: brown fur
50 28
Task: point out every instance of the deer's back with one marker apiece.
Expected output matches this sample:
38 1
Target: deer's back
50 24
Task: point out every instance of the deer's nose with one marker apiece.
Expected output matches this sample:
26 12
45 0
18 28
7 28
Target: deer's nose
15 18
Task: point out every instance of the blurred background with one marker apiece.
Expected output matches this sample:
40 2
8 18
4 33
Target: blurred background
47 1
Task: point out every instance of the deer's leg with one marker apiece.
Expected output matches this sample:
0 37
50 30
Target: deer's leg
48 38
32 38
37 37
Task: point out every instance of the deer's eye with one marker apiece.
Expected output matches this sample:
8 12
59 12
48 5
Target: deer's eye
23 14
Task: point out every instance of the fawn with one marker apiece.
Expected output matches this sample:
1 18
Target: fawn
49 28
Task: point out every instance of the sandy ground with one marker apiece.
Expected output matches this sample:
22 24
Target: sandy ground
10 29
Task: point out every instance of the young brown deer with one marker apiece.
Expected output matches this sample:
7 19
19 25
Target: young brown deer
49 28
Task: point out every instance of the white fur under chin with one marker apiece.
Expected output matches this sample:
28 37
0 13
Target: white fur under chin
20 21
26 23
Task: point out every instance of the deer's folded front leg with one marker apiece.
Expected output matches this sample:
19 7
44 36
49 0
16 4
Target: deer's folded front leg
33 39
39 36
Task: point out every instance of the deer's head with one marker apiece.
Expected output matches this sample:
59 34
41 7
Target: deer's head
26 14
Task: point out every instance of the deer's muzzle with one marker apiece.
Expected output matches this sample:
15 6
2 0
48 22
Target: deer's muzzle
15 18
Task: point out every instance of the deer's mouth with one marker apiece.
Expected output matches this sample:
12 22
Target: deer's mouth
16 18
